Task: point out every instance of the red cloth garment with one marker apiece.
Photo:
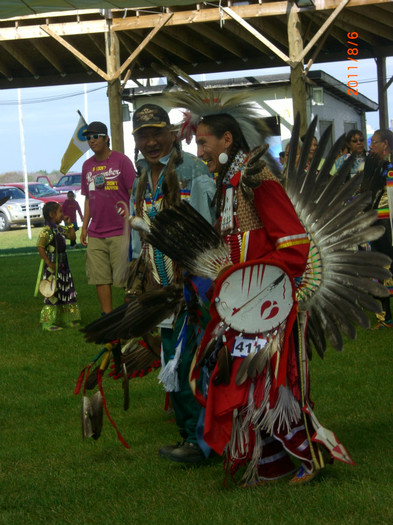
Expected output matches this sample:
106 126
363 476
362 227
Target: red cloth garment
282 240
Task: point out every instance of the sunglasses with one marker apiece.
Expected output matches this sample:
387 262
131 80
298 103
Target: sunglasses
357 140
95 137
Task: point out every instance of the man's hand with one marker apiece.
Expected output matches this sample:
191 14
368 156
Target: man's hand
83 236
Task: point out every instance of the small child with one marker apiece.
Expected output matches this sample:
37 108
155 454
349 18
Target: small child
70 208
61 309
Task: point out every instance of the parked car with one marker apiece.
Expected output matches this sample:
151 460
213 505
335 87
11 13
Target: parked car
71 181
41 192
13 211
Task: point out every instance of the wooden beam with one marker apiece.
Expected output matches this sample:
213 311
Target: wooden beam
154 50
182 51
166 70
98 42
4 69
321 31
257 35
378 15
75 52
388 84
298 84
349 25
274 28
142 45
50 55
114 90
243 35
382 93
146 21
186 37
181 73
217 37
128 44
21 57
320 45
386 6
335 31
364 23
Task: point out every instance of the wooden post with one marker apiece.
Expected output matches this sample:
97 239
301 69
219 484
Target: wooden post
382 93
114 90
298 84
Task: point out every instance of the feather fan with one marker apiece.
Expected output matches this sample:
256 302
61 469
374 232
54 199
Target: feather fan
336 211
137 317
187 238
224 365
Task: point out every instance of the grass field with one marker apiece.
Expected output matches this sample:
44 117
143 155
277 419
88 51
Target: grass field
49 475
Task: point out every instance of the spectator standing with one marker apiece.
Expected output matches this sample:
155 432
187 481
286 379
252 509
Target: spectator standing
71 208
355 143
107 179
381 144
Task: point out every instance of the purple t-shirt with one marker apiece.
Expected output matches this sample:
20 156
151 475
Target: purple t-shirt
105 183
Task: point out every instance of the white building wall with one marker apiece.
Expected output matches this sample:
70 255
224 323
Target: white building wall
340 113
273 100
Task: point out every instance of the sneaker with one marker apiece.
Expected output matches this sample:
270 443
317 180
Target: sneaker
165 452
187 453
383 324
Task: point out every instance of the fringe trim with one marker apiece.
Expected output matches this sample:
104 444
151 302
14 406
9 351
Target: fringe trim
286 412
264 406
251 477
168 375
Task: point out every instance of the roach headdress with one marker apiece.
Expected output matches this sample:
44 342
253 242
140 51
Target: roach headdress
202 102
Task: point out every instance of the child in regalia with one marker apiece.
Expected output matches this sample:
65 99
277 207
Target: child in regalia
60 305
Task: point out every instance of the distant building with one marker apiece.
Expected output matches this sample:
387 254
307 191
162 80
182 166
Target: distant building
327 97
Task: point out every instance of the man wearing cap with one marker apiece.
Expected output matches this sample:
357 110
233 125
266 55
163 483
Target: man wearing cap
107 178
166 176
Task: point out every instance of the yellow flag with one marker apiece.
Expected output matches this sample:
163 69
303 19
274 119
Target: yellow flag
77 147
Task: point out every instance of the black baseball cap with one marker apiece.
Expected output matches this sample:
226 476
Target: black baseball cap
150 116
95 127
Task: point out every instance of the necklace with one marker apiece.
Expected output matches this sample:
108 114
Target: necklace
236 165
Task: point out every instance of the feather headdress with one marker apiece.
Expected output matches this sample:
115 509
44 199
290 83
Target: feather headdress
202 102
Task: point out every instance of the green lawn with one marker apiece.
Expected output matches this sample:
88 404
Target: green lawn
50 476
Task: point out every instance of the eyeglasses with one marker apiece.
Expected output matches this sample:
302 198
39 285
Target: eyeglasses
372 142
95 137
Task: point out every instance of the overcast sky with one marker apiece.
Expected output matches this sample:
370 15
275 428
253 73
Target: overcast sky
50 116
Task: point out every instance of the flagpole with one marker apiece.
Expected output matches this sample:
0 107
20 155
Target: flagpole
22 143
87 118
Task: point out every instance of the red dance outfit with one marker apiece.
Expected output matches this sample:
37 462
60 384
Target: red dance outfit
261 422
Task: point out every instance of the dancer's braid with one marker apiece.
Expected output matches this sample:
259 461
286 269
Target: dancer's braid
137 167
236 146
179 156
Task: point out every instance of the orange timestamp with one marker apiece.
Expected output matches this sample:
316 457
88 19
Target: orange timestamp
352 54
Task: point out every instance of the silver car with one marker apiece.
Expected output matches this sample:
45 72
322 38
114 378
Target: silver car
13 211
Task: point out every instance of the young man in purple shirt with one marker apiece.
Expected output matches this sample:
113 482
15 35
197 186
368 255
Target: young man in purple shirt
107 178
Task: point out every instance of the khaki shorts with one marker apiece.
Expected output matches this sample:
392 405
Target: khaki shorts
102 258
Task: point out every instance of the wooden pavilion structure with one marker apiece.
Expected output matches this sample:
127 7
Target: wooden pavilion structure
121 40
